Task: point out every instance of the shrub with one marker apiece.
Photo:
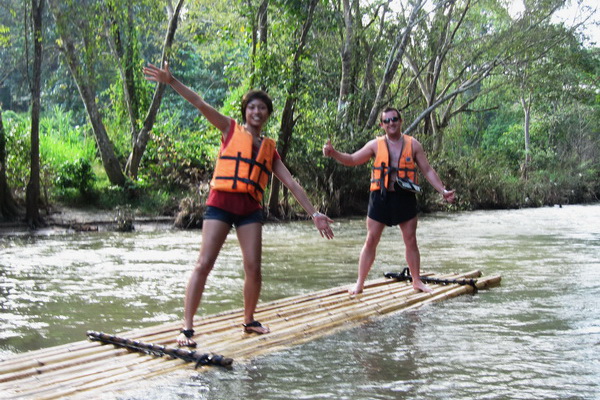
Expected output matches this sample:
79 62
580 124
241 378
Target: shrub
77 174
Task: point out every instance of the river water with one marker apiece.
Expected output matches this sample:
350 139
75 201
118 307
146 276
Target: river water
537 336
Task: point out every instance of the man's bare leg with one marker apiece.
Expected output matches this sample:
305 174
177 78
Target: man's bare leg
412 254
367 254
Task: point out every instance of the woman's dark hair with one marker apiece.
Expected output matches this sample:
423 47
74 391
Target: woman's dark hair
256 94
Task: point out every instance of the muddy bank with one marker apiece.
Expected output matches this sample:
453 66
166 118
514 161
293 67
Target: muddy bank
66 219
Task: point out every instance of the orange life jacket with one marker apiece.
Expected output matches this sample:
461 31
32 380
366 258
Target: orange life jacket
381 170
236 169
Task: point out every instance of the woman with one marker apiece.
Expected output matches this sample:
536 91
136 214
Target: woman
245 162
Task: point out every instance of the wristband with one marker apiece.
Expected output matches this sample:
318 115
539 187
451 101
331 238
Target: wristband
316 214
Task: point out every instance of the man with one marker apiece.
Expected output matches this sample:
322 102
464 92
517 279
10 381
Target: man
392 200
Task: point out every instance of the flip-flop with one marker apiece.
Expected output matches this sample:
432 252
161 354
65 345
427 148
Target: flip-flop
249 328
189 334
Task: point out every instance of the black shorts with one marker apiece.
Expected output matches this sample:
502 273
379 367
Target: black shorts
233 219
392 208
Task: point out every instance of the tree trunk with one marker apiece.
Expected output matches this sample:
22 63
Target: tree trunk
394 59
347 54
32 215
263 23
463 87
8 207
86 90
526 104
369 83
260 29
125 63
140 140
287 118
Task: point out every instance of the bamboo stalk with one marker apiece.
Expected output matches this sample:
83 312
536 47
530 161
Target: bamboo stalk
215 326
38 366
167 329
70 370
361 310
170 327
294 320
226 324
90 379
452 292
205 339
392 304
333 307
255 352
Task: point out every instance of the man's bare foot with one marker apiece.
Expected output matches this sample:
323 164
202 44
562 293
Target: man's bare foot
421 287
256 327
185 338
357 289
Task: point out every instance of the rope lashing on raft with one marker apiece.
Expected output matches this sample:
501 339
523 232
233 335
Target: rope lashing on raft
159 350
405 276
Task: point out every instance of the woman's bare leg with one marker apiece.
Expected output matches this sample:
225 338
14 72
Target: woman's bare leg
250 238
214 233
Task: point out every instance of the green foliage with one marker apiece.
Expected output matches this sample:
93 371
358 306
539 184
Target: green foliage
232 106
136 195
4 38
480 181
203 75
179 158
77 174
334 188
67 152
221 34
62 140
120 136
17 128
481 147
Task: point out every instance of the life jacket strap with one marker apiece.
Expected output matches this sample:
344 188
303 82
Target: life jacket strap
381 179
236 178
250 161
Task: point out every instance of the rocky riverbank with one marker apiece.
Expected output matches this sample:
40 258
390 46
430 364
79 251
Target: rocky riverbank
67 219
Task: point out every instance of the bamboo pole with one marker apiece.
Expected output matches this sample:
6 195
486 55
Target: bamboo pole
294 320
168 329
92 378
361 310
225 324
376 307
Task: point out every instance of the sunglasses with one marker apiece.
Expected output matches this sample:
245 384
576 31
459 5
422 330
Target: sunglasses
388 120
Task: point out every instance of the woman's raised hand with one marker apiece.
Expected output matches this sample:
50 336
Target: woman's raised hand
154 73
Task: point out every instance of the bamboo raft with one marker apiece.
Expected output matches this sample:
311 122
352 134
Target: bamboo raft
89 369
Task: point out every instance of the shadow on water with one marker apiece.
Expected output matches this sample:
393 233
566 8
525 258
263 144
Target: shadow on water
535 337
